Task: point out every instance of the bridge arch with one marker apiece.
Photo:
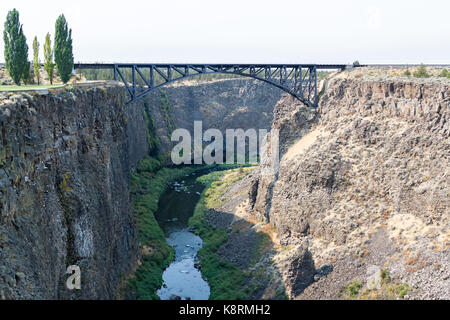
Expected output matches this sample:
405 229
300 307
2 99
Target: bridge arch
298 80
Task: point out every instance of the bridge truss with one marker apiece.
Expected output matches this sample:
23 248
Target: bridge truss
298 80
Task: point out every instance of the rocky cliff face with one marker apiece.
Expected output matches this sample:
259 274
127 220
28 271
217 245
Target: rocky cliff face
221 104
364 182
65 159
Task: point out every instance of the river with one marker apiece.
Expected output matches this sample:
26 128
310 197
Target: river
182 279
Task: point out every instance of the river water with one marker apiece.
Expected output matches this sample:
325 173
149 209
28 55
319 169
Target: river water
182 279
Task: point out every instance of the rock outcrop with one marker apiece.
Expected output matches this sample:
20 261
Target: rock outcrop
365 180
65 159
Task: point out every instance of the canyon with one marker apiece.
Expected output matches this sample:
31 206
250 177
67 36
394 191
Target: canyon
359 198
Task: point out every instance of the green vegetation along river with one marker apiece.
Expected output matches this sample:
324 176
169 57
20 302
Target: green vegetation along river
182 279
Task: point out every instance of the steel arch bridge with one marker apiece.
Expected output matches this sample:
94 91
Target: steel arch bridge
299 80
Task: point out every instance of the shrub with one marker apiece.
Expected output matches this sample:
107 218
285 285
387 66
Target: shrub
421 72
353 289
407 73
444 73
148 164
398 290
403 290
385 278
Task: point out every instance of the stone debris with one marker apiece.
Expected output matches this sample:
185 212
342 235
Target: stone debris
373 277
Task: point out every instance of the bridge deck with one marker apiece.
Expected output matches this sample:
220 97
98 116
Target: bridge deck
198 65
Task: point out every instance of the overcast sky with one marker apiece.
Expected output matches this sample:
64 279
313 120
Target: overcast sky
244 31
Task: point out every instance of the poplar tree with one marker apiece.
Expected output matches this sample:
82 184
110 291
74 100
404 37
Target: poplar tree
49 66
16 48
36 61
26 73
63 49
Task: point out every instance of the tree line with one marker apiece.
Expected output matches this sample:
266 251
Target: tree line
16 51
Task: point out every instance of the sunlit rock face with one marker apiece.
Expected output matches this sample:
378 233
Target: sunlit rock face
364 179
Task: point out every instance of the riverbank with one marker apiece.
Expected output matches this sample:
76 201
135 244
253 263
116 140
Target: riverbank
147 185
236 258
182 280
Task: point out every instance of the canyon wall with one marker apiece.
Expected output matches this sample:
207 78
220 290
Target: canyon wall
363 181
65 159
222 104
